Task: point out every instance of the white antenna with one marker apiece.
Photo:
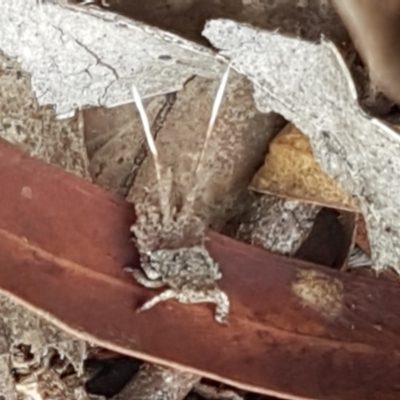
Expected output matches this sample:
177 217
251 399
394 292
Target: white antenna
214 112
217 103
147 132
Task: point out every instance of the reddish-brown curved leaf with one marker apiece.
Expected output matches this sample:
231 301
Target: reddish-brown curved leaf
296 330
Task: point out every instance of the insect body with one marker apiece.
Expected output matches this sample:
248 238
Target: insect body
189 274
171 241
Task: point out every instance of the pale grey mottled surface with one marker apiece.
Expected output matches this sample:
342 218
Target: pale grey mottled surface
155 382
309 85
277 224
22 334
91 58
36 129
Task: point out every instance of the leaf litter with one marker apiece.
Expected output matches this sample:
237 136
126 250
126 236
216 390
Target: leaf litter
195 221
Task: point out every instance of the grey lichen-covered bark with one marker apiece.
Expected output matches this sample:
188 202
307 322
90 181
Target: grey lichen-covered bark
34 356
36 129
309 84
78 59
277 224
154 382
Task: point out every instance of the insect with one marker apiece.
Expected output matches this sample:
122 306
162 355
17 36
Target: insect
171 240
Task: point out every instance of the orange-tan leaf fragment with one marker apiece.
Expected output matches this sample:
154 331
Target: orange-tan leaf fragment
290 170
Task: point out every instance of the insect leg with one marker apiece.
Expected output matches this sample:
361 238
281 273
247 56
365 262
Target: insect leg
166 295
222 306
143 280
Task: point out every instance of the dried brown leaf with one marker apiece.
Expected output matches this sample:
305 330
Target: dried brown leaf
290 170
